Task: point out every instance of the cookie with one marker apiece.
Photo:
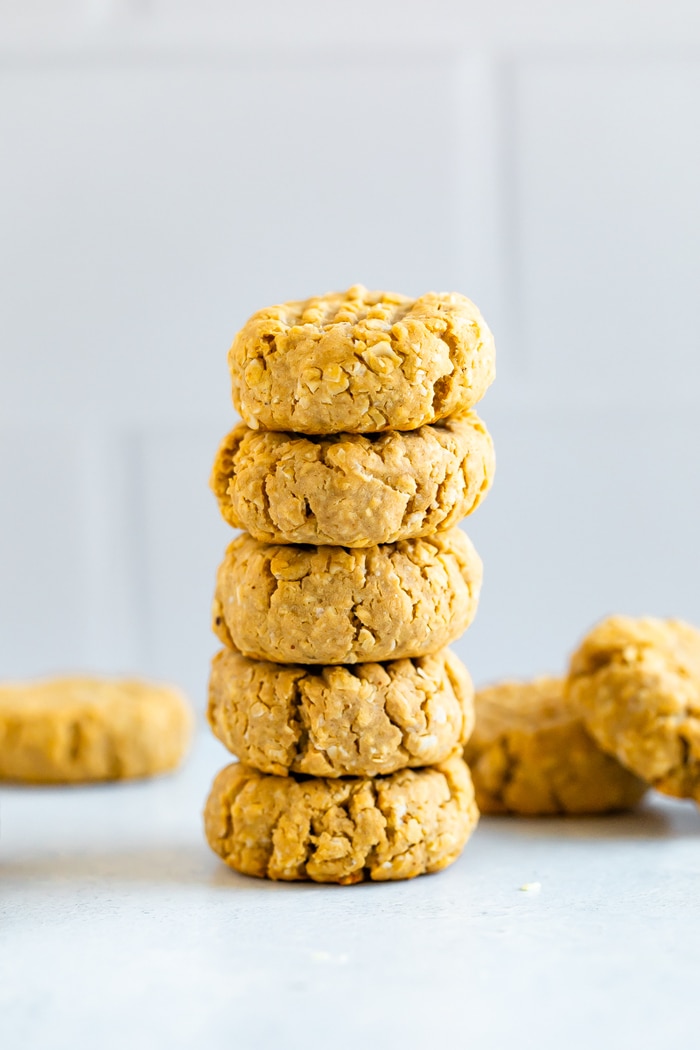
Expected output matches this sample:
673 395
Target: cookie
353 490
360 362
530 754
380 828
335 605
638 684
359 720
67 730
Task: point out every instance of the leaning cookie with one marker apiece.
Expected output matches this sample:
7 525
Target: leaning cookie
360 362
334 605
353 490
358 720
638 684
530 754
381 828
68 730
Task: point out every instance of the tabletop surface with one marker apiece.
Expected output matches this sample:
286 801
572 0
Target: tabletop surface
119 928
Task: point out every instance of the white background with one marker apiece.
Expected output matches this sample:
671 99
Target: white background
167 168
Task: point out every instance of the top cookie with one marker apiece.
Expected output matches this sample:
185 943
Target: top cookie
638 684
361 362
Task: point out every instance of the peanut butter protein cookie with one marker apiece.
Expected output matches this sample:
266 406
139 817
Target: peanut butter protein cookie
66 730
361 362
530 754
638 684
353 490
344 831
335 605
357 720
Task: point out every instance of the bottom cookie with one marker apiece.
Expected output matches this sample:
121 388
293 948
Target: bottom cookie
73 730
530 754
294 828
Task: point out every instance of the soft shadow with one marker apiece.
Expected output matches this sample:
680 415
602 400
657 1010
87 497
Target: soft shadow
655 818
184 865
157 865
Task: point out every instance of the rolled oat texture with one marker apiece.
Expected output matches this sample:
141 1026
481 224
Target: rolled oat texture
334 605
353 490
361 362
344 831
357 720
637 682
530 754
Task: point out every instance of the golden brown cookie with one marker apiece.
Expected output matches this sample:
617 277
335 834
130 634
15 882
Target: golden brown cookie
67 730
353 490
410 823
638 684
361 362
334 605
358 720
530 754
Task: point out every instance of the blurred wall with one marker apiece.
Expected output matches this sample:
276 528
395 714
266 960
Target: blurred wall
167 168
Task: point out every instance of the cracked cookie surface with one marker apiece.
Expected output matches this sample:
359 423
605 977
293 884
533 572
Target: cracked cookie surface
530 754
353 490
396 827
360 362
359 720
68 730
335 605
638 683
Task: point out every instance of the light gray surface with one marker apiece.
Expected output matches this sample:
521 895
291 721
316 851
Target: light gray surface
119 928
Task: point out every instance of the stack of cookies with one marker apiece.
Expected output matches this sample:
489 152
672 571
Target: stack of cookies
335 690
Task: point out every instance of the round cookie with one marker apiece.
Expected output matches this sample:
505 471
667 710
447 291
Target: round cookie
334 605
360 362
353 490
638 684
68 730
530 754
359 720
381 828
